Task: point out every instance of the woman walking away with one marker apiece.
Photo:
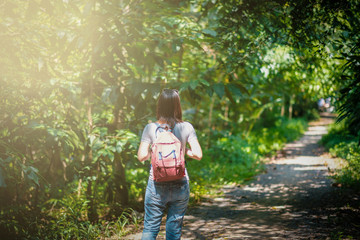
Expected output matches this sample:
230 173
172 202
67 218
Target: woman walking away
168 184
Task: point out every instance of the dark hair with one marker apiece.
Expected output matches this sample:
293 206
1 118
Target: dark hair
168 107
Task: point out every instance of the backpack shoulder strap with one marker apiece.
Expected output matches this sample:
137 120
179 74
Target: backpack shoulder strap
164 127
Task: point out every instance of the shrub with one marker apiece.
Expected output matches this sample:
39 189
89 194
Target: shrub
350 174
64 219
337 133
342 144
267 141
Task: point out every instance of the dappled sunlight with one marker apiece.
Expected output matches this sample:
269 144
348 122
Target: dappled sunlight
317 185
316 131
320 168
247 220
259 187
227 223
304 161
304 147
296 145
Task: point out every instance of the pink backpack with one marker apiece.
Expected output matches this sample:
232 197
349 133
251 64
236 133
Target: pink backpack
167 157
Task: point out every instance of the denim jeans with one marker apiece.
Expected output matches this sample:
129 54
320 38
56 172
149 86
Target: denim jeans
172 195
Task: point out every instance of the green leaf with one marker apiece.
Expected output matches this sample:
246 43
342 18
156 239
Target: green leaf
234 90
119 146
219 89
228 94
92 138
160 28
210 32
238 86
204 82
2 179
192 43
194 84
210 91
31 174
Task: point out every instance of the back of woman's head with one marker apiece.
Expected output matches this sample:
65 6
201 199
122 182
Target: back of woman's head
168 107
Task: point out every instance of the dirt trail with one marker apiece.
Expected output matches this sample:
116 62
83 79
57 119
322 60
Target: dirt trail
294 199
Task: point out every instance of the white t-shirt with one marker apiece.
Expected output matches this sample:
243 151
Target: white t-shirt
184 131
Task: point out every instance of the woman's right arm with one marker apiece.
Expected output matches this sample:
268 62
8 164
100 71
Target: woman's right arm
195 151
144 151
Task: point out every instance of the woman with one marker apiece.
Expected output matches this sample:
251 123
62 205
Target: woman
172 195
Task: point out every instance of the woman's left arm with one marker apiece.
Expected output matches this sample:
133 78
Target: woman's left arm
144 152
195 151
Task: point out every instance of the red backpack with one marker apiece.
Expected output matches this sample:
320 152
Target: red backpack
167 157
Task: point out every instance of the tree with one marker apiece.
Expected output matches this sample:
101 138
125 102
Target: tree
334 30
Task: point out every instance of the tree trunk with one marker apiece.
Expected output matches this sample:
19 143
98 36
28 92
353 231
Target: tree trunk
210 121
118 184
226 114
122 192
92 213
180 63
291 103
282 113
80 178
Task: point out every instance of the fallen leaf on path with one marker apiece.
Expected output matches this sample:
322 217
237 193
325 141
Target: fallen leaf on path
336 184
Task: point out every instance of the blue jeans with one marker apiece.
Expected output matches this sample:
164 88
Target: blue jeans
172 195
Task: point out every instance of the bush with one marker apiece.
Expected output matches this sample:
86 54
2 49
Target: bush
342 144
337 133
267 141
350 174
64 218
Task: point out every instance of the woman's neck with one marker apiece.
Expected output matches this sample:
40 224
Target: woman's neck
163 121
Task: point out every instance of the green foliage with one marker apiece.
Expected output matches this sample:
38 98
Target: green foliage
337 134
350 174
69 219
138 178
65 218
339 236
267 141
230 159
350 93
334 31
291 129
344 145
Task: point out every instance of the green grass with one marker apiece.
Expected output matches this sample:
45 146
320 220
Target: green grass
337 134
342 144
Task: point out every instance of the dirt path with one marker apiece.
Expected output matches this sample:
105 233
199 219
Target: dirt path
294 199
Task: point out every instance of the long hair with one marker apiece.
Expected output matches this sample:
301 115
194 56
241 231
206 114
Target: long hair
168 107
